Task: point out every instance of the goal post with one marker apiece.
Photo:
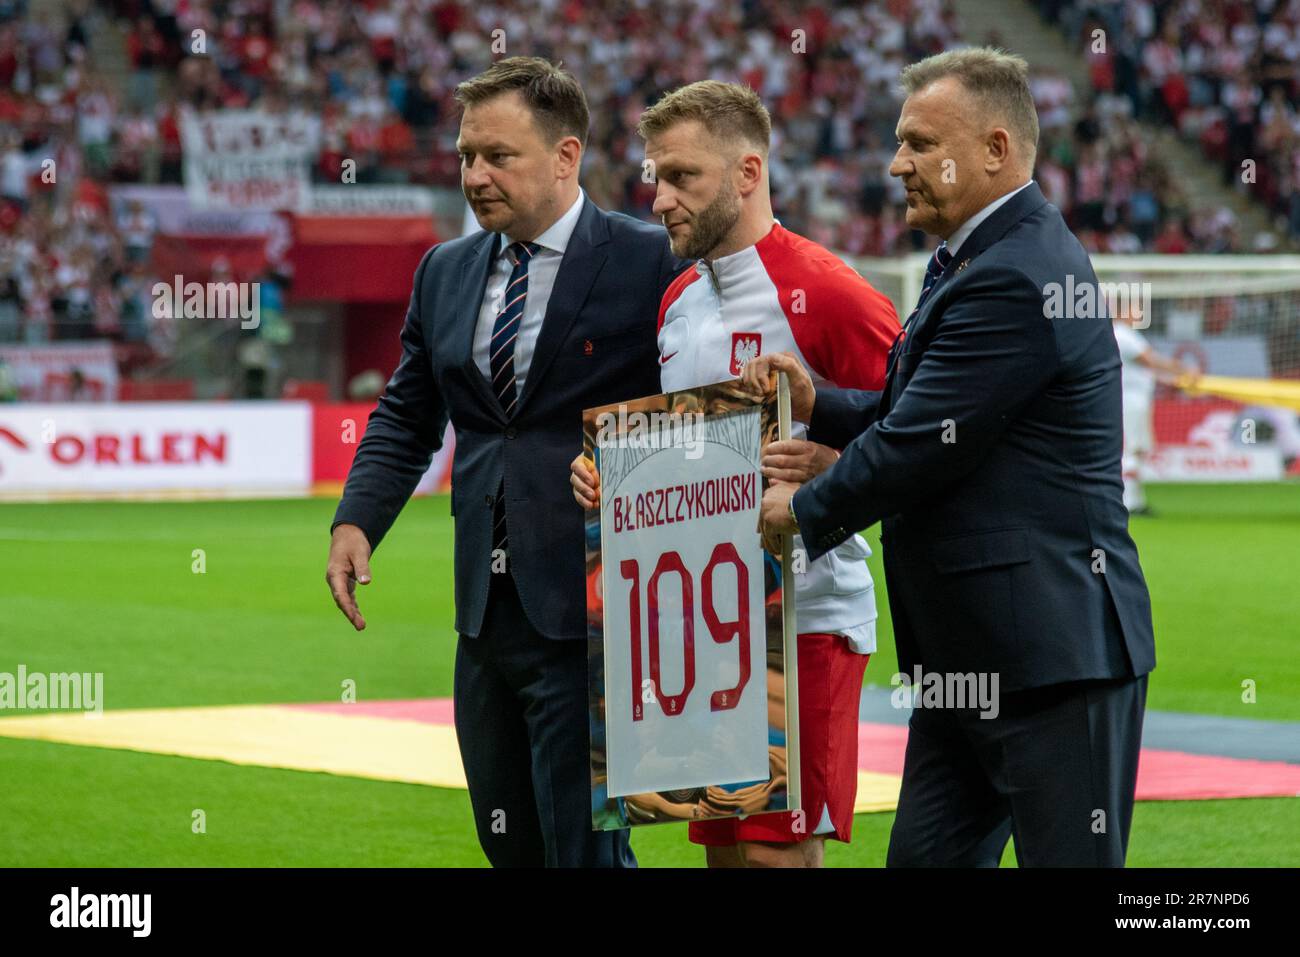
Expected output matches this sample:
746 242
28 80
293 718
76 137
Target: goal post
1234 317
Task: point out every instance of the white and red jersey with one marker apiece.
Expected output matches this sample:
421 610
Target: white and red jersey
787 294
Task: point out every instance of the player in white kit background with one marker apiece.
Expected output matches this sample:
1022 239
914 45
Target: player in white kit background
1143 367
755 289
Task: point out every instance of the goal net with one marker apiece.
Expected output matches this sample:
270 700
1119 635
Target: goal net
1234 318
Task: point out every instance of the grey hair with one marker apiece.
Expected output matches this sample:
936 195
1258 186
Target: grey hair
996 79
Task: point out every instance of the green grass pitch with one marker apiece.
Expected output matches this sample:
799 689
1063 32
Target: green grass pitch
110 587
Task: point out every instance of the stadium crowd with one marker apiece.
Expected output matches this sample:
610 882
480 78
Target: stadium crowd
1225 75
380 74
70 268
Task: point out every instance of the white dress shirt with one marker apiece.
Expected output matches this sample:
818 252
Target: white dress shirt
542 270
965 229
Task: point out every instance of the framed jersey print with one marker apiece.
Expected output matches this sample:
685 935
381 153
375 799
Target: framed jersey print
690 633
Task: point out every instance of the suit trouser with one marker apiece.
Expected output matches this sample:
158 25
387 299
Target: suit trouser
1056 770
522 723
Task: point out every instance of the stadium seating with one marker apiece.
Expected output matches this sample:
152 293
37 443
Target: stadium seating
380 76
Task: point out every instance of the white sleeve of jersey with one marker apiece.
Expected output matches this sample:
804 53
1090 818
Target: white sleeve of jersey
1131 342
676 357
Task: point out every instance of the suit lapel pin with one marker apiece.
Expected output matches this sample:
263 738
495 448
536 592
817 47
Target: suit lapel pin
586 347
962 265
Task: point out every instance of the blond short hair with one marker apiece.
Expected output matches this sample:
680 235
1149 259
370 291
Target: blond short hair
997 80
729 111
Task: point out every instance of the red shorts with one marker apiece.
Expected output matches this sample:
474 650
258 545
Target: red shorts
830 689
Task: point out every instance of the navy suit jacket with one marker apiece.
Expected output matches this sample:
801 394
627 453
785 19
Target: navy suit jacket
993 458
597 345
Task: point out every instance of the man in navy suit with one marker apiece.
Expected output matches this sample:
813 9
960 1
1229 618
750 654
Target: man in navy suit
993 458
510 334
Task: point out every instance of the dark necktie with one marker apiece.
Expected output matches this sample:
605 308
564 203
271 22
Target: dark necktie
501 362
933 270
939 261
505 330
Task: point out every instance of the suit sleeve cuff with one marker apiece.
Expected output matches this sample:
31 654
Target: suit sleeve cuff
370 539
818 539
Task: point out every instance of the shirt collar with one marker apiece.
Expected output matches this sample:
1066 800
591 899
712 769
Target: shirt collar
556 238
965 229
738 261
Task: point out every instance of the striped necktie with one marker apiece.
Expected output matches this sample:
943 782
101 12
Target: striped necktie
501 362
933 270
505 330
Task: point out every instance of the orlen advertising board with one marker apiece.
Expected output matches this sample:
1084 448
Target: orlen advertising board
236 448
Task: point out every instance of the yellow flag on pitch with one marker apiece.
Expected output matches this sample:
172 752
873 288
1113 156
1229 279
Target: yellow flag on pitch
1284 393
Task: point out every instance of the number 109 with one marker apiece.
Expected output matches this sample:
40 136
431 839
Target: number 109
722 632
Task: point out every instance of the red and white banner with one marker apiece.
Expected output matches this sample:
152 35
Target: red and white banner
200 449
249 159
174 215
371 200
1191 464
88 449
226 448
62 372
1219 440
337 431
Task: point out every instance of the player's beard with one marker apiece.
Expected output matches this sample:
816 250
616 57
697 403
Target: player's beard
710 226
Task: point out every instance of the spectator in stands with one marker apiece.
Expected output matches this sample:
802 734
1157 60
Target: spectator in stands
146 51
1226 75
95 116
15 171
10 303
8 386
137 226
396 147
380 75
135 303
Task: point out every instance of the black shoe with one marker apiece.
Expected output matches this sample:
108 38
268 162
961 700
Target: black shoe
1145 511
